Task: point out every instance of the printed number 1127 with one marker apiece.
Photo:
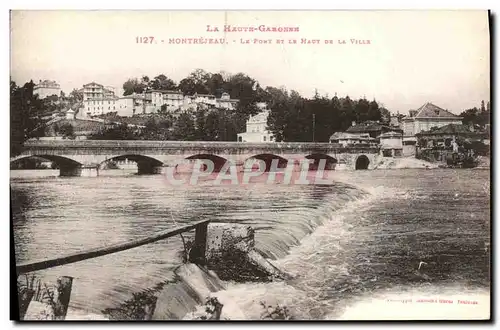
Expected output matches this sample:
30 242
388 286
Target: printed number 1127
144 40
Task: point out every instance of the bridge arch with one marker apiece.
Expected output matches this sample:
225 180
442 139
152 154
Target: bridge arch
60 161
66 166
362 162
145 164
330 163
268 159
218 161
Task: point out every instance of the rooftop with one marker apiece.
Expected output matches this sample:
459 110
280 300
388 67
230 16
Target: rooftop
345 135
430 110
93 83
164 91
451 129
370 126
390 135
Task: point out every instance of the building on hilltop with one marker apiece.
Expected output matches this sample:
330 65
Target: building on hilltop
256 128
226 102
173 100
98 100
46 88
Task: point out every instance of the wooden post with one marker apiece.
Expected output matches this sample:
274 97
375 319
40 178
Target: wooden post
24 301
62 296
200 244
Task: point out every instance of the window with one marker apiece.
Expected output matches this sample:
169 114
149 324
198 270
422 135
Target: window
264 139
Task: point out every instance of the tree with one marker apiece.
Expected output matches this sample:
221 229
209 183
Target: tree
215 84
346 115
133 86
385 116
67 131
184 127
200 124
26 116
195 82
117 132
361 110
76 95
470 116
212 126
160 82
374 112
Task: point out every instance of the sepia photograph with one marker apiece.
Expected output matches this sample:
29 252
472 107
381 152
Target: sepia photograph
250 165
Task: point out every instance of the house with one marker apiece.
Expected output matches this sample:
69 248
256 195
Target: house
425 118
158 98
346 139
453 143
256 129
373 128
98 100
46 88
445 136
226 102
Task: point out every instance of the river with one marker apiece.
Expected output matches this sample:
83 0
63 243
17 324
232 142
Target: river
361 237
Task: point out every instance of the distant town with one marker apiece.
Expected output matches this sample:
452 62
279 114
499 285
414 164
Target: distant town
211 107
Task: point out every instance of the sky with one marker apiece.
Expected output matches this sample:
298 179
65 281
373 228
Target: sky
408 58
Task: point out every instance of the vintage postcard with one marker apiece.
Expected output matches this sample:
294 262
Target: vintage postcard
250 165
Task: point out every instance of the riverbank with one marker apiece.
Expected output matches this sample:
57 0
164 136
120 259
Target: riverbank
404 163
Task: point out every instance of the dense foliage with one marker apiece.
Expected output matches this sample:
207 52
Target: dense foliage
26 116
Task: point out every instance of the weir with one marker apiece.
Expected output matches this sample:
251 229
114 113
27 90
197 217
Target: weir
227 249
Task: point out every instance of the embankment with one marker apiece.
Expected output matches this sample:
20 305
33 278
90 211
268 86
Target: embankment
404 163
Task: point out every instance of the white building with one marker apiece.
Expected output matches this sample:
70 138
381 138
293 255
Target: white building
46 88
427 117
391 144
173 99
98 100
157 98
346 139
226 102
256 130
423 119
207 99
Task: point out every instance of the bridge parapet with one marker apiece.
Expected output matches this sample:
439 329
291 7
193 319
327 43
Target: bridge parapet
208 146
76 157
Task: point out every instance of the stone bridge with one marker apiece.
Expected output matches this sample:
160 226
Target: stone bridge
86 157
